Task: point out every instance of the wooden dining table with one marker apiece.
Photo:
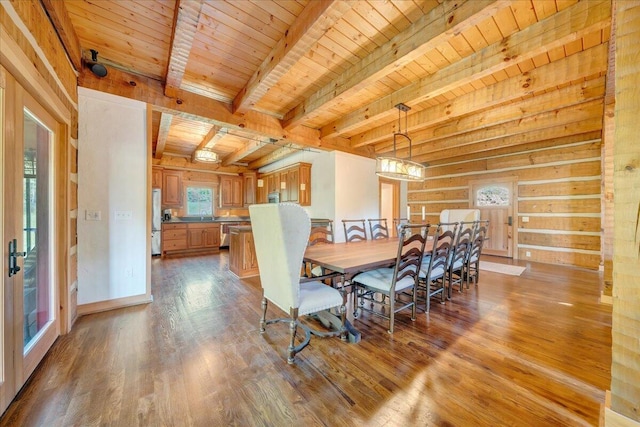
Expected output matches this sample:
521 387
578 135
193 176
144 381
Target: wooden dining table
351 258
354 257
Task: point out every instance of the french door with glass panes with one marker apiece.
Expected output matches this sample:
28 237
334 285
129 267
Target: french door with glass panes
30 296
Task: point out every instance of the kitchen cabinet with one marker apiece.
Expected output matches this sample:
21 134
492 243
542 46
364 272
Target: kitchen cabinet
249 187
171 189
190 238
261 191
231 192
203 235
174 237
242 252
297 183
304 184
156 178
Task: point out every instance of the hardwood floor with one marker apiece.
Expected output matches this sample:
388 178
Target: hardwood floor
533 350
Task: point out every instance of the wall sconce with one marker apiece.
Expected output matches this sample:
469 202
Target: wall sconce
260 183
283 185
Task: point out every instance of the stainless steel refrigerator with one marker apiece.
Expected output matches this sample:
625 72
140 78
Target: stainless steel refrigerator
156 222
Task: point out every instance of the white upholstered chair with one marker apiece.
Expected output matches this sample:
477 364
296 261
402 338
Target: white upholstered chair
281 233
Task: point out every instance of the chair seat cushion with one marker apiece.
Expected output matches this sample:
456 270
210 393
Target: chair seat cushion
316 296
436 273
380 280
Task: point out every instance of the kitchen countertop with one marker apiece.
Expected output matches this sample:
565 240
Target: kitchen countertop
218 219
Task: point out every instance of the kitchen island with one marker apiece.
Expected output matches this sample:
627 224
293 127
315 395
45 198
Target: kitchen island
242 252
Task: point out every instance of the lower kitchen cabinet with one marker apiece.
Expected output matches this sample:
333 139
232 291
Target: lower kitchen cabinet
190 238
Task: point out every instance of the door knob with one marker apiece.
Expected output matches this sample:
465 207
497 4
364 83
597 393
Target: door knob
13 257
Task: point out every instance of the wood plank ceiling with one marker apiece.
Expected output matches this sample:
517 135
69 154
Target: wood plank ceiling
256 80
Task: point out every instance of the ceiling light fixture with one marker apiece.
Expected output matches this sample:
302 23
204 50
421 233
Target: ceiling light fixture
206 155
397 168
97 69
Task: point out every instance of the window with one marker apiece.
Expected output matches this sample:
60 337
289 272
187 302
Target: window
492 195
199 201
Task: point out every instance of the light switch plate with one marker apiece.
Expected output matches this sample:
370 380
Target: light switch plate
91 215
120 215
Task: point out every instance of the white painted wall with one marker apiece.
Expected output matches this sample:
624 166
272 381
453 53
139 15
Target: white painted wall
343 186
112 178
356 190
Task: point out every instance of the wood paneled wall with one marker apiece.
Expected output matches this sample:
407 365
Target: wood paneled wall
625 369
559 190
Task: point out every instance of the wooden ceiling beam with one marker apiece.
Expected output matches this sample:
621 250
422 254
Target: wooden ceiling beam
62 24
570 24
559 131
163 133
551 101
200 108
456 141
274 156
438 26
250 147
572 68
314 21
185 25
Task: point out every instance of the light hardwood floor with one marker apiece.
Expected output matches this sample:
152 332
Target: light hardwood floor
533 350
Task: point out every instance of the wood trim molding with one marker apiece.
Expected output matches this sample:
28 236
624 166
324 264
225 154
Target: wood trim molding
113 304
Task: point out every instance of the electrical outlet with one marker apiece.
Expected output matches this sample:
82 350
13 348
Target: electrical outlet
527 254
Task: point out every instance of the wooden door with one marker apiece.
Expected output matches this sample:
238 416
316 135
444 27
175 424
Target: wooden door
497 201
30 138
389 194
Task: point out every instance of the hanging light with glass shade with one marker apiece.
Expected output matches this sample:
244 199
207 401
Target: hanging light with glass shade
395 167
206 155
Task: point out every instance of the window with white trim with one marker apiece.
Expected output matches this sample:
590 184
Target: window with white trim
199 201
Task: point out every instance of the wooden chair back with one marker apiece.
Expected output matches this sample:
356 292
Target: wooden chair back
378 228
354 230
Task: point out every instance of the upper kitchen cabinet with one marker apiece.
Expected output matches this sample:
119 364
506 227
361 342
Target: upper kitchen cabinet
304 184
249 186
231 191
171 188
293 183
156 178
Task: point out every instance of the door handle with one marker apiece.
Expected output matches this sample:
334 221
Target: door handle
510 220
13 257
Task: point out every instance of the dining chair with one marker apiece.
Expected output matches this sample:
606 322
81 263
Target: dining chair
378 228
354 230
281 233
398 283
397 222
460 254
435 264
321 234
472 267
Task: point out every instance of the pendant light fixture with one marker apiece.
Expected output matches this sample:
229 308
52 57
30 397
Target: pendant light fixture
395 167
206 155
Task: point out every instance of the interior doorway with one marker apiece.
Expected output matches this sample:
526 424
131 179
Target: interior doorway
497 201
389 192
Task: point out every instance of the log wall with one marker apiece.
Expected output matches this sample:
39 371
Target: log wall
558 190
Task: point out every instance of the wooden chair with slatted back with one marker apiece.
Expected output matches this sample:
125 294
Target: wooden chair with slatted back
354 230
378 228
